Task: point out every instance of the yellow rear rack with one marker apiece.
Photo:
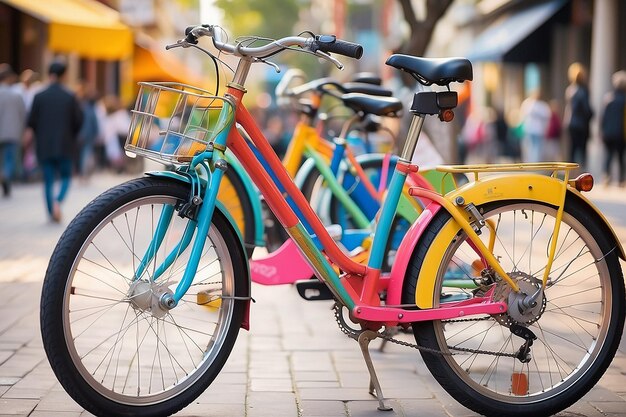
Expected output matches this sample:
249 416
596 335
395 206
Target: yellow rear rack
476 169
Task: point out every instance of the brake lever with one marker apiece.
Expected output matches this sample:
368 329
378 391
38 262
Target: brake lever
270 63
180 43
327 57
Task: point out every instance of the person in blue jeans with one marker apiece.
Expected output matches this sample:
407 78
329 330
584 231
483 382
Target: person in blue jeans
55 119
12 119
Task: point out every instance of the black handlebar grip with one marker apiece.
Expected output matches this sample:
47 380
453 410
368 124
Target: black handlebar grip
189 36
331 44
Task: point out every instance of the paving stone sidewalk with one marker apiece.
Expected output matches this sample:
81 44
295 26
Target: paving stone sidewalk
293 362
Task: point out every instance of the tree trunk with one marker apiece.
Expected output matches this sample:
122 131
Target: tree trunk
421 30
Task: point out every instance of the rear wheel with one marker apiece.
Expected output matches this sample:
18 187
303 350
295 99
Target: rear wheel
578 321
114 349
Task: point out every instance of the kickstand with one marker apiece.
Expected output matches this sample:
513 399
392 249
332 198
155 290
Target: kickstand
364 340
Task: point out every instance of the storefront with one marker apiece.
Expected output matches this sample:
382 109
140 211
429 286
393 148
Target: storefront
90 35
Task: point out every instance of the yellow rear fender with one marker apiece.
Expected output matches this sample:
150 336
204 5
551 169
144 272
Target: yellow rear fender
531 187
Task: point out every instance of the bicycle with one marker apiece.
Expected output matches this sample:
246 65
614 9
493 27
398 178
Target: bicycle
357 193
137 319
307 146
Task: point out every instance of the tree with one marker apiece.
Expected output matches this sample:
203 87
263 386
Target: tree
269 18
421 31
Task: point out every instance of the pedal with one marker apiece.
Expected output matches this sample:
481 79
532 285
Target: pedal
313 290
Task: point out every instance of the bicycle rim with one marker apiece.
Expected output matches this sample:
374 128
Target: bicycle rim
122 350
572 322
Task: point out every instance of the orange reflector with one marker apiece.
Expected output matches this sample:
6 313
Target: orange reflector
519 384
477 267
584 182
446 115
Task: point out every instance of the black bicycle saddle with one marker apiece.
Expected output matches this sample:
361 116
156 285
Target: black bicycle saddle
440 71
380 106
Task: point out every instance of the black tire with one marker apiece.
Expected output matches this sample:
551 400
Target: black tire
93 313
578 323
275 234
238 201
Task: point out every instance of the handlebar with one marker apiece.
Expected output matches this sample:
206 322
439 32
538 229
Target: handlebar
330 43
321 45
285 90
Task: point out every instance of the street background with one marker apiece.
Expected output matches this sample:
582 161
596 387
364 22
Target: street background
294 361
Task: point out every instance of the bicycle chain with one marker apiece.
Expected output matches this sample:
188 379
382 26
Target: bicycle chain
354 334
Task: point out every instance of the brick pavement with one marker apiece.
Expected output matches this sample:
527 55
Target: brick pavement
293 362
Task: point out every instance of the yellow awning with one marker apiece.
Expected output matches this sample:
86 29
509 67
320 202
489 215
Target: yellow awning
85 27
151 64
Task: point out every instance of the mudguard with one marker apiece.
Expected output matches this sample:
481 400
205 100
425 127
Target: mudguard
533 187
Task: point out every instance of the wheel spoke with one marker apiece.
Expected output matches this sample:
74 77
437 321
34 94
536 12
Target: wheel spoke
122 345
569 319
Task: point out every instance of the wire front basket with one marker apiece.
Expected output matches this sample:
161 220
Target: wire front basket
173 122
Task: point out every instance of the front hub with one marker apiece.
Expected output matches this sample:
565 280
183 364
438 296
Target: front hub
151 298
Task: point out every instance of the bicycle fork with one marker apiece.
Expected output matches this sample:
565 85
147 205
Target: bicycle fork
199 210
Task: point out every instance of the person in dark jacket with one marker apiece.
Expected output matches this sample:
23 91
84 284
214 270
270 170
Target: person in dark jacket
578 113
613 126
55 120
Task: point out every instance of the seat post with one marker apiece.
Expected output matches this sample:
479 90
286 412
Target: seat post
415 129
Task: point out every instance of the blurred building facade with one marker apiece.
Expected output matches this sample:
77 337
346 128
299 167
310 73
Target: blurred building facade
90 36
521 46
110 44
516 45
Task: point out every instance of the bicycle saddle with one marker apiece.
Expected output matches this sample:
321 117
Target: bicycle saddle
380 106
366 88
440 71
366 77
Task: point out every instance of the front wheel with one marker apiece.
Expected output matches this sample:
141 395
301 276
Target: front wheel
110 344
578 321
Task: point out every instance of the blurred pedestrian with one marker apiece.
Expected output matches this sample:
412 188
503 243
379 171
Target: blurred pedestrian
501 129
89 131
535 115
28 86
12 121
578 113
115 129
55 120
552 148
276 135
475 136
613 126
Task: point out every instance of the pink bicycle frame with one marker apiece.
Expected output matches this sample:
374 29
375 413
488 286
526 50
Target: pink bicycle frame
358 286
